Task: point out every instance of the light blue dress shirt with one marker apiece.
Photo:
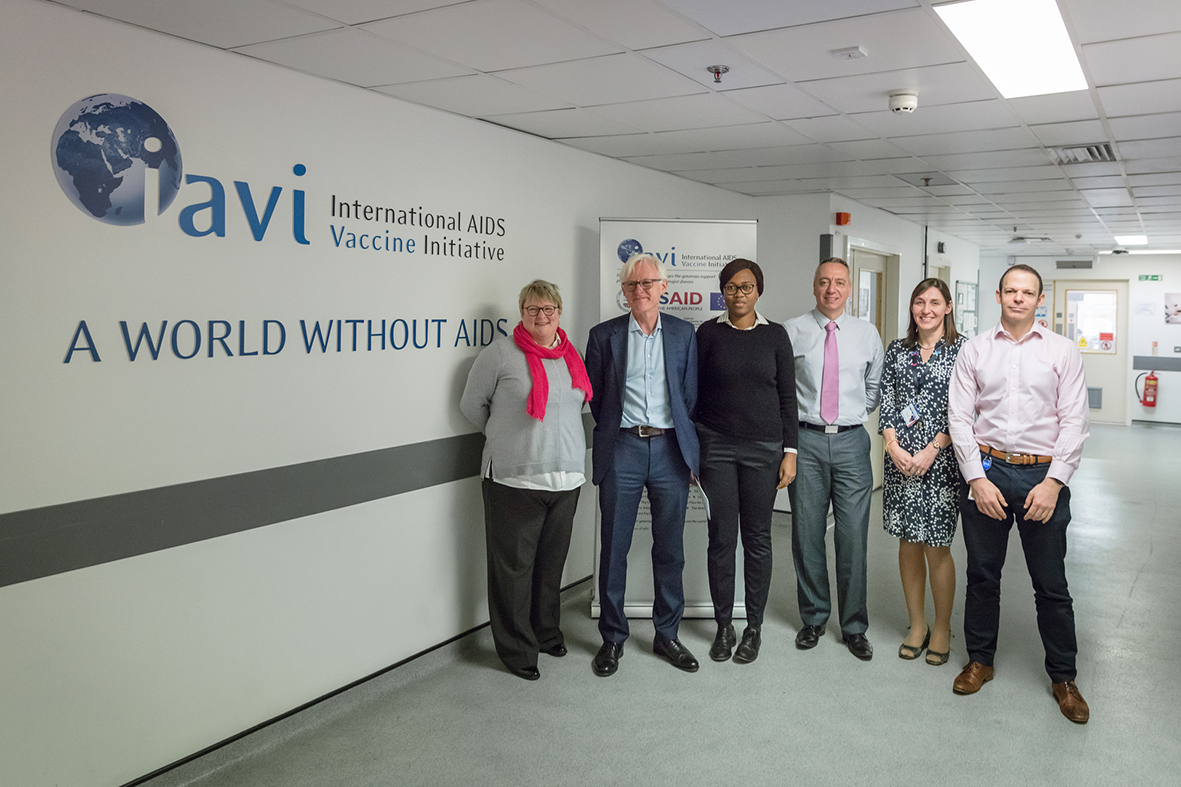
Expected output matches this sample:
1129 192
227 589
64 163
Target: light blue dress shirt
859 349
645 396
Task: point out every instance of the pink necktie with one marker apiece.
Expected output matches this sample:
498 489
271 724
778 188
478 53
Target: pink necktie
829 383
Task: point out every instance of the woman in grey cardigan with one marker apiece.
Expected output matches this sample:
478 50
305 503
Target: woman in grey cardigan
525 393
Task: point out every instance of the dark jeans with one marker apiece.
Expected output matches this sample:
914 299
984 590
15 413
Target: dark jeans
739 477
1044 544
654 463
528 537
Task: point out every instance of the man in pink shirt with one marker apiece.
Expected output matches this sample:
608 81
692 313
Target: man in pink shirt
1018 419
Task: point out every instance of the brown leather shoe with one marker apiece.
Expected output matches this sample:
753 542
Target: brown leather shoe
1073 706
973 676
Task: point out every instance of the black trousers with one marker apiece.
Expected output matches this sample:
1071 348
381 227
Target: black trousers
1044 544
528 537
740 478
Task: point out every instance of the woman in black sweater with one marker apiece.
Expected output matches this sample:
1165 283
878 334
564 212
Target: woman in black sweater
748 425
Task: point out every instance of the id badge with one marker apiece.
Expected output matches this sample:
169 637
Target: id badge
910 414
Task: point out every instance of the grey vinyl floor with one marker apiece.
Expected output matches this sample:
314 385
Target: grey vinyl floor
456 717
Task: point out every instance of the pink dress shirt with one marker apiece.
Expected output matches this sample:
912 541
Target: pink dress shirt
1026 397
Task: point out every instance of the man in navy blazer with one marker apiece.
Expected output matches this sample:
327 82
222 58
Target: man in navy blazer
643 369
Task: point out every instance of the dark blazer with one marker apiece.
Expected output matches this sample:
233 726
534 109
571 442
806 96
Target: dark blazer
606 365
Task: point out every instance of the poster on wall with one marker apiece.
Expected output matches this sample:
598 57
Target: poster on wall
1173 308
693 252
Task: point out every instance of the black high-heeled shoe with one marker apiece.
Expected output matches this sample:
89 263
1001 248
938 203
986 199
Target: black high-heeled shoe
911 653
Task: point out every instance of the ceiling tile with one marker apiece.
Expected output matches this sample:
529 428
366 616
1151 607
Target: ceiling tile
834 169
629 145
1156 191
637 24
1155 179
1092 169
1103 182
1103 20
681 112
692 59
727 19
895 191
732 175
1149 165
779 102
1167 124
603 80
786 156
355 12
1133 60
558 123
1031 157
1023 186
832 129
805 52
476 95
755 135
1142 98
495 34
1156 202
868 149
1006 173
1149 148
939 119
899 166
212 22
683 162
934 85
1055 107
967 142
1079 132
1106 197
354 56
861 182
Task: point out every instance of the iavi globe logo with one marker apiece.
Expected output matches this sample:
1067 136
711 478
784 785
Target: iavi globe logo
113 156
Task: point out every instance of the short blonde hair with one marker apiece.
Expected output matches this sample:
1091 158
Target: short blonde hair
636 259
542 290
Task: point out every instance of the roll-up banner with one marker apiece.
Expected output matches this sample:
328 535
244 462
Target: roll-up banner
693 251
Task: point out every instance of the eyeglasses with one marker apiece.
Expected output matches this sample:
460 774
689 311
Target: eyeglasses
630 286
745 289
548 311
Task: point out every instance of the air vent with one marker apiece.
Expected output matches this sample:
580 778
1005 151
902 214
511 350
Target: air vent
1073 264
1083 154
1024 239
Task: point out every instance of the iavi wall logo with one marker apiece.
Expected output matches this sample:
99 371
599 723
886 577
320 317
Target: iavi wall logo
118 161
104 147
632 246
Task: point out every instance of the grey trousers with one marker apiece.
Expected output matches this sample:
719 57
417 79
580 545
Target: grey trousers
831 467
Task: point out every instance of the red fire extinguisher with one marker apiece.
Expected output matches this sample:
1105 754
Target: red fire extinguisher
1150 385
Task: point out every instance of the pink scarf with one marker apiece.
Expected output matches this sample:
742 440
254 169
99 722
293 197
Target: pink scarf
534 352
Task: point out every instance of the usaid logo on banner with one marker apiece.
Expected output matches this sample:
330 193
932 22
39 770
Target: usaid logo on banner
118 161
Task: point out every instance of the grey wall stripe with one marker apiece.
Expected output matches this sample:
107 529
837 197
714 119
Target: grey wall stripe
1156 363
41 542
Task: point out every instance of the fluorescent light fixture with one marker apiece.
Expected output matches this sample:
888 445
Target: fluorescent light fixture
1021 45
1132 240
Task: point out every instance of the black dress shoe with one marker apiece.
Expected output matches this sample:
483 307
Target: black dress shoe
558 650
607 659
748 649
676 653
859 646
528 673
723 643
809 636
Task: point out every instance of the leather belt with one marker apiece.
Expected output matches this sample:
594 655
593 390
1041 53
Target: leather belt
646 431
828 428
1017 459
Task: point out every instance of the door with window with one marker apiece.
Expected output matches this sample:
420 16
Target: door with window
1094 316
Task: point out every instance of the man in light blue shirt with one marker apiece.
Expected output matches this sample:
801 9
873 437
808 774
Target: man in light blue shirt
839 362
643 369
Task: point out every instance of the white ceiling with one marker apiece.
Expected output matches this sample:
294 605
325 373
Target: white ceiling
628 79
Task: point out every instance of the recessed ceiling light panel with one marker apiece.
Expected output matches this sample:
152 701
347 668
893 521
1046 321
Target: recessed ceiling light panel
1021 45
1132 240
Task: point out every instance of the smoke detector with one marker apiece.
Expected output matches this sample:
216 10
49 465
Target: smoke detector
904 102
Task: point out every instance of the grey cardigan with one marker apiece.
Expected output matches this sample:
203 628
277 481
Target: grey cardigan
517 443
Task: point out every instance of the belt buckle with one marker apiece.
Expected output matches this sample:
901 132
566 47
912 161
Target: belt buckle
831 429
1013 459
642 431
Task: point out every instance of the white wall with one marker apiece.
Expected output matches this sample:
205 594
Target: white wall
114 670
